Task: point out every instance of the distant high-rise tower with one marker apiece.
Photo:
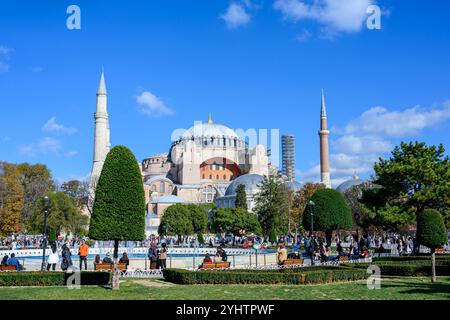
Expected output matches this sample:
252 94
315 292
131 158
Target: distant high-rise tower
101 138
323 134
288 156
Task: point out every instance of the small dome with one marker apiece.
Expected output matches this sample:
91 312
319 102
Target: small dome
293 185
346 185
250 181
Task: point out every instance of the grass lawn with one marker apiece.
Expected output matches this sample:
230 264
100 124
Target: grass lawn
153 289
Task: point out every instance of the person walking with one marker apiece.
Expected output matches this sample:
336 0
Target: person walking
66 257
153 256
83 252
53 258
163 256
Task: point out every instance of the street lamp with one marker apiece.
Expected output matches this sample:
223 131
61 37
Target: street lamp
312 204
44 242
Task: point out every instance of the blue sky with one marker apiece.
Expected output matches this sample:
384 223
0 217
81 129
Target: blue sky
253 64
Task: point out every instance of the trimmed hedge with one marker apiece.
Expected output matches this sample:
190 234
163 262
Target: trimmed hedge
411 258
45 279
412 270
180 276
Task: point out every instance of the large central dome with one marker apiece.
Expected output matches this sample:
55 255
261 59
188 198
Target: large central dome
208 129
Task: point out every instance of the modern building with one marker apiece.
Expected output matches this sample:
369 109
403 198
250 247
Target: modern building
288 156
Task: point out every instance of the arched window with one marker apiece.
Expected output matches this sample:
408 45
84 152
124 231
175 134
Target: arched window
217 177
203 176
153 187
208 194
224 177
210 176
161 187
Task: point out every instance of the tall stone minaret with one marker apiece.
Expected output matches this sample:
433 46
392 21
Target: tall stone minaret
101 139
323 134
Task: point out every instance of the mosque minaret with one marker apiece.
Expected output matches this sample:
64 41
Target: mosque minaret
101 138
323 134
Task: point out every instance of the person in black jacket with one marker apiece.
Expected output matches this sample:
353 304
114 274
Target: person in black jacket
66 257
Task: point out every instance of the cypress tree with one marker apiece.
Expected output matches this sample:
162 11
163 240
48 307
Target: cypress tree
431 232
119 207
330 212
241 197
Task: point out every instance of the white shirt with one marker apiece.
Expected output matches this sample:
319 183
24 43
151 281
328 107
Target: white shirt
53 257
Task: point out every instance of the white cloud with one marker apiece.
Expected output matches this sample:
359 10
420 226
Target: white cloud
53 126
409 122
71 154
236 15
27 150
333 15
4 57
151 105
46 145
372 135
305 35
49 145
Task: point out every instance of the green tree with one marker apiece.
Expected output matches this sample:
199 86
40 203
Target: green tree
176 221
36 180
415 177
431 232
76 189
63 216
286 208
12 195
119 207
233 220
330 212
268 206
199 218
241 197
300 201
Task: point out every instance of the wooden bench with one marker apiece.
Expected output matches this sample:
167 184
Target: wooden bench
290 262
215 265
343 258
7 267
439 250
109 266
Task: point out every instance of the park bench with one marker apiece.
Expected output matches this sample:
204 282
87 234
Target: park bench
109 266
290 262
343 258
7 267
215 265
439 250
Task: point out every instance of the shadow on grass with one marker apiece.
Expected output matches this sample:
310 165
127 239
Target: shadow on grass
426 288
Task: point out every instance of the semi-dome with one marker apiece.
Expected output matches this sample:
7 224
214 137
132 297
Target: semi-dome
250 181
346 185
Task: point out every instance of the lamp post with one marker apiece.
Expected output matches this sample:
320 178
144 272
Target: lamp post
312 204
44 241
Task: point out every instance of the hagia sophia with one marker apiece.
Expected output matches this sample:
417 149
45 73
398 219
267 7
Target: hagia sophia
206 163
